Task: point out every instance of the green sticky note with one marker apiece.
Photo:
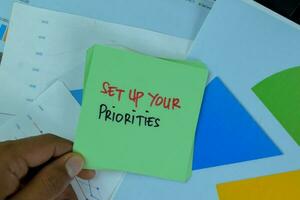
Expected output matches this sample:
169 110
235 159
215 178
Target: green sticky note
139 113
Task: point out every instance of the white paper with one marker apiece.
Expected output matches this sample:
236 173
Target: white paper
43 45
56 111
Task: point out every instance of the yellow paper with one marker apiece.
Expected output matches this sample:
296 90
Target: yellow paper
285 186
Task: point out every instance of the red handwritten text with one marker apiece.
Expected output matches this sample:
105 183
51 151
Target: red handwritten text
168 103
135 95
112 90
158 100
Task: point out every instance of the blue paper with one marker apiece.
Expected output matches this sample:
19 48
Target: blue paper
226 133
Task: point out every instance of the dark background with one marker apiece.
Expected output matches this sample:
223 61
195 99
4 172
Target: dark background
288 8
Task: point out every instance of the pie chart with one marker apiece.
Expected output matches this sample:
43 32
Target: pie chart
280 93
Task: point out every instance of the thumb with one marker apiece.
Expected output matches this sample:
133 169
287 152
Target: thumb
53 179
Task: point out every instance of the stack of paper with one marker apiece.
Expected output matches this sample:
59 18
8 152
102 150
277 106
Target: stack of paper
44 45
154 15
139 113
140 109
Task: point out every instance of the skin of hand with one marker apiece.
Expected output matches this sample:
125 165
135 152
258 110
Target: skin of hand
39 168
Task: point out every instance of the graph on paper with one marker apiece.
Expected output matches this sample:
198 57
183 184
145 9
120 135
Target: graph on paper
54 53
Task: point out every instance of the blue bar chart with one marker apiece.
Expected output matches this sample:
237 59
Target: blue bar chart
3 28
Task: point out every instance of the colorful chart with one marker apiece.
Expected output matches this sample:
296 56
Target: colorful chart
275 187
226 133
281 95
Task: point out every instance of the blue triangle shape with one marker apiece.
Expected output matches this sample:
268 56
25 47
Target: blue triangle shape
226 133
2 31
77 94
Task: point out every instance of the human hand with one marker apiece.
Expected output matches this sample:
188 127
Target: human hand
39 168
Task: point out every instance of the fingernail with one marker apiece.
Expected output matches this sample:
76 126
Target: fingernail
74 165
